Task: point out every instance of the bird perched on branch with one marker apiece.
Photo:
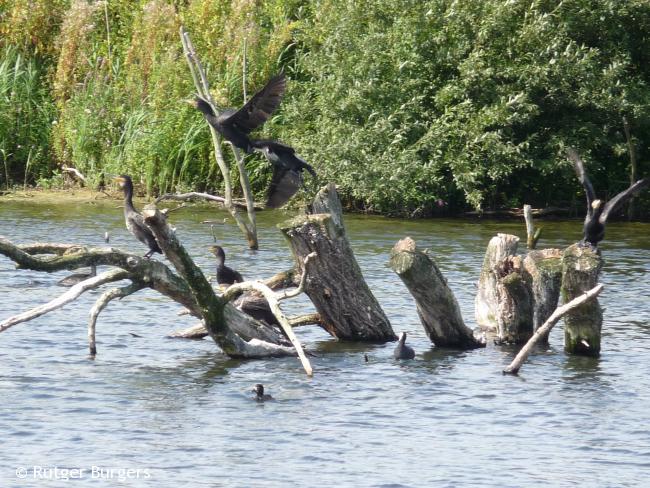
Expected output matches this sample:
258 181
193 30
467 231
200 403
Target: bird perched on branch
287 171
135 221
597 211
402 351
225 275
235 125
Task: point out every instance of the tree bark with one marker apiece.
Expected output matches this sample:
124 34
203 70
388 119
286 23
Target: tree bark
532 235
514 311
436 305
545 329
334 281
543 270
581 267
499 247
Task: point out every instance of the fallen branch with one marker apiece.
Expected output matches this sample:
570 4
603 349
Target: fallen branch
75 172
195 195
67 297
101 303
545 329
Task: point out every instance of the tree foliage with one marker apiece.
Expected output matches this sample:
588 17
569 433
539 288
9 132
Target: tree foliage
412 107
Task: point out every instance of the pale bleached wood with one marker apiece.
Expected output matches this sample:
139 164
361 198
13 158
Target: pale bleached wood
73 293
545 329
532 235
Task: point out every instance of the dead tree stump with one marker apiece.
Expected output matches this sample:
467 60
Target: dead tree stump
436 305
543 271
334 283
581 267
514 302
485 304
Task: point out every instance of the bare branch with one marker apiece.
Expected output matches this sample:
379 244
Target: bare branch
543 331
67 297
75 172
307 319
194 195
303 278
101 303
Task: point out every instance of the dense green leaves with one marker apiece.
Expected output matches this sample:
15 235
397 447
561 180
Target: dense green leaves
412 107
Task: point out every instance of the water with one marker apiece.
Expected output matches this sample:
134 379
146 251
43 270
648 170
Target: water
181 412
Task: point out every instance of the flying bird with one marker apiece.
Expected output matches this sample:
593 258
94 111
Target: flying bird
598 211
287 171
134 220
236 125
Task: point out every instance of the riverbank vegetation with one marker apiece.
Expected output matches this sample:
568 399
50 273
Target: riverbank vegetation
413 108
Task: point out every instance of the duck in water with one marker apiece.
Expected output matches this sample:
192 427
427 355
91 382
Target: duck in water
134 220
260 396
402 351
225 276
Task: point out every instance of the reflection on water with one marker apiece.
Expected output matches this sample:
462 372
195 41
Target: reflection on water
184 411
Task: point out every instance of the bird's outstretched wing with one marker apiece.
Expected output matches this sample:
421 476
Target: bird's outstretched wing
259 108
582 176
284 184
615 203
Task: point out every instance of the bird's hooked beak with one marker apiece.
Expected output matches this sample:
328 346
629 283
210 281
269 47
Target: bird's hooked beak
596 204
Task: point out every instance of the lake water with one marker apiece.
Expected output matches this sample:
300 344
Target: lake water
181 412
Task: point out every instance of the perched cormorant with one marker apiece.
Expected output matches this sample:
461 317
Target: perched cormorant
225 275
135 221
287 171
75 278
260 396
235 125
402 351
597 210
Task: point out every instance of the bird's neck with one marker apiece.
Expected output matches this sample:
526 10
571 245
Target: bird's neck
128 197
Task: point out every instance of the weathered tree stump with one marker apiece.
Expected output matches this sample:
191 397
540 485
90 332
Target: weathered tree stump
544 274
485 304
347 308
581 267
436 305
514 311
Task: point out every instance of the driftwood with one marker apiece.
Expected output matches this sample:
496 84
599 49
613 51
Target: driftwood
334 283
543 271
436 305
514 302
195 195
545 329
532 234
499 247
202 86
581 265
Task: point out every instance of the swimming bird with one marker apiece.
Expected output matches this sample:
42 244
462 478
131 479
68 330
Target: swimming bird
235 125
260 396
402 351
135 221
598 211
225 275
287 171
75 278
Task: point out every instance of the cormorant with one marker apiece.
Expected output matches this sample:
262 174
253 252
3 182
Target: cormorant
75 278
225 275
260 396
402 351
235 125
135 221
287 171
597 210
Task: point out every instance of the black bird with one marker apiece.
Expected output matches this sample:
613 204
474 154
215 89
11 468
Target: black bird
135 221
402 351
225 275
235 125
75 278
287 171
260 396
597 211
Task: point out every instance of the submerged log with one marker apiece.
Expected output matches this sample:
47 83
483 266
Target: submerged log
581 265
436 305
334 283
544 274
514 311
485 304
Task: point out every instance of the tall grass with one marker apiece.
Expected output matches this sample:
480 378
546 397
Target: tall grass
26 113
